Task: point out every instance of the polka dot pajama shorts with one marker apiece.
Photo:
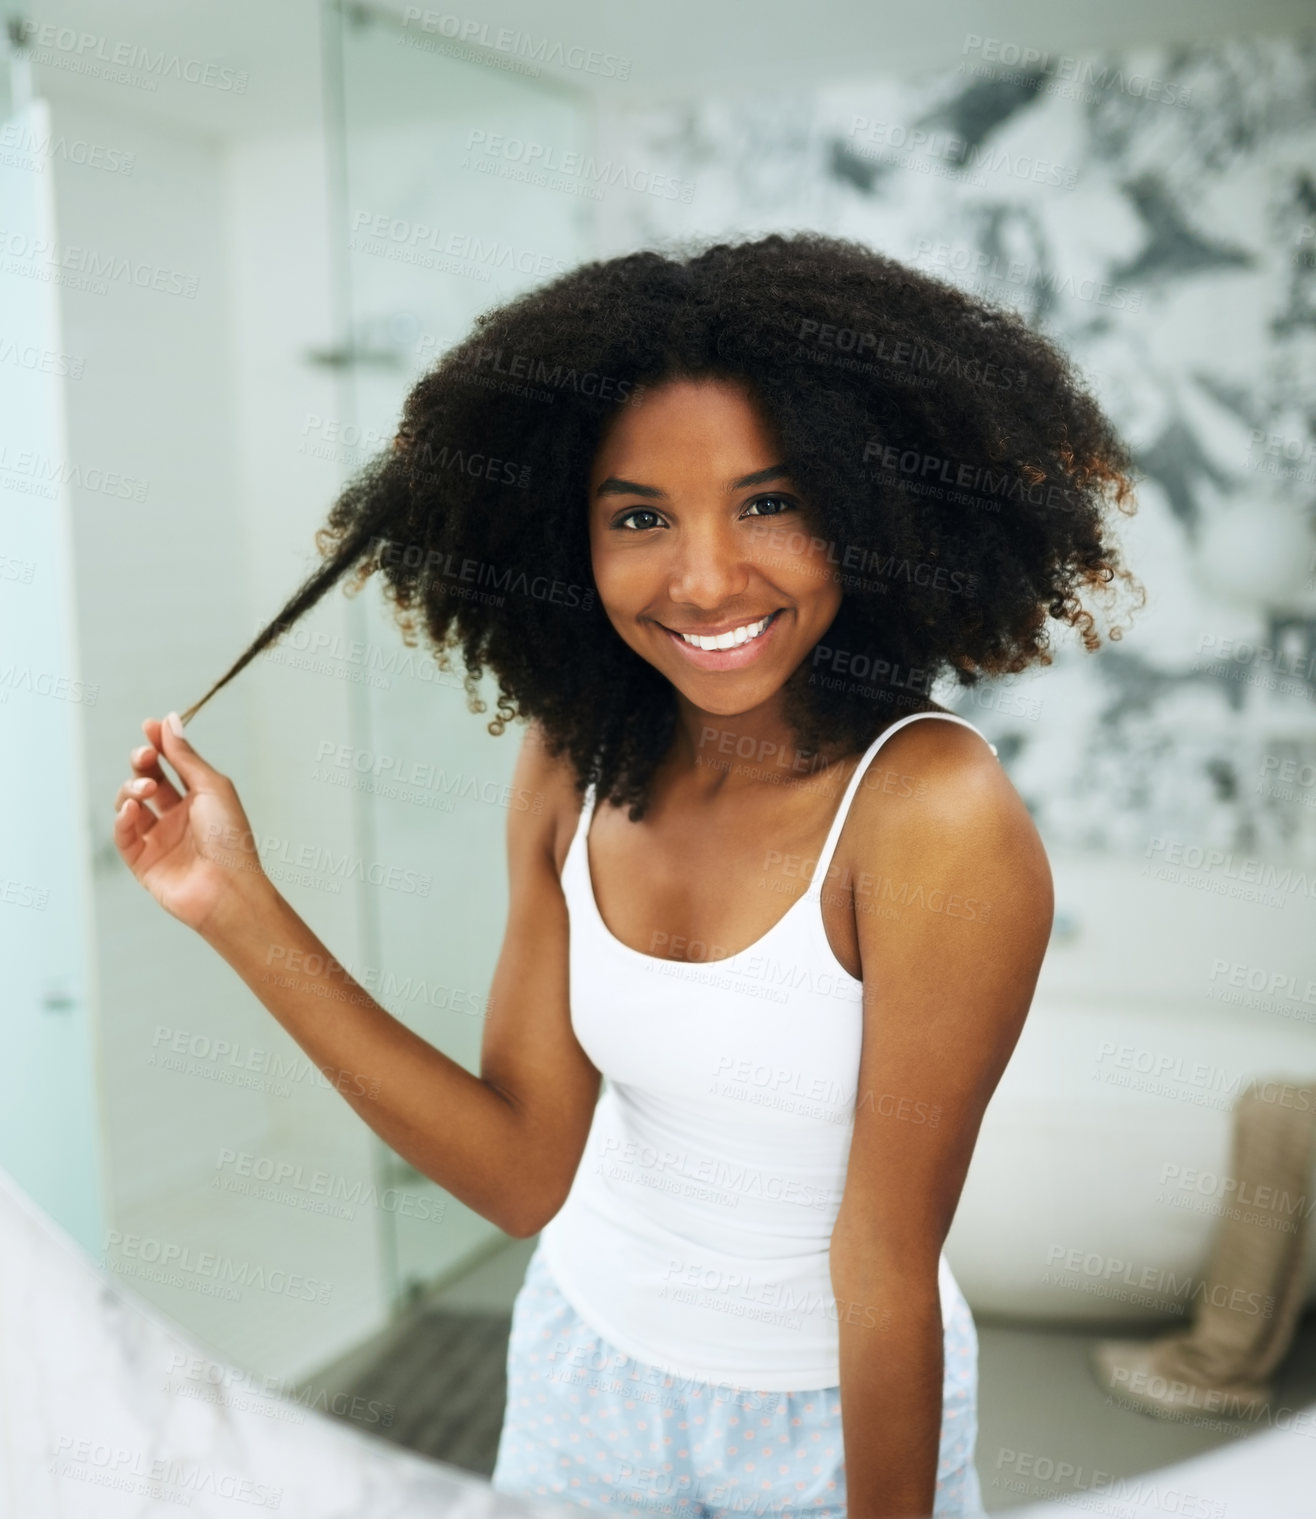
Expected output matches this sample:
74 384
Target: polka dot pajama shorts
590 1426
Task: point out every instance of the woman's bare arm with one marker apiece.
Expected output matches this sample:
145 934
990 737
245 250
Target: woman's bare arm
506 1142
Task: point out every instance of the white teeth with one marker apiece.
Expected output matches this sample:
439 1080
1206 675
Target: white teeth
729 640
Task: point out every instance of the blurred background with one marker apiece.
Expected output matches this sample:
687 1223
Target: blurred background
232 236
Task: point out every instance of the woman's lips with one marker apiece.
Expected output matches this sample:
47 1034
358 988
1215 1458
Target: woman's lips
727 659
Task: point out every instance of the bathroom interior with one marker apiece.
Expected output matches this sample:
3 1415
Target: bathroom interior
235 235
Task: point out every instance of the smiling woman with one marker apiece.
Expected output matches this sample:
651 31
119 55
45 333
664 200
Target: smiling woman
716 609
956 517
695 579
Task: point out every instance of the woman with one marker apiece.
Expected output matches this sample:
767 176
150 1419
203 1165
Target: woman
716 523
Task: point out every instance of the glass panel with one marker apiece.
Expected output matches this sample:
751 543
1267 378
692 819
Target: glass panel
430 242
48 1122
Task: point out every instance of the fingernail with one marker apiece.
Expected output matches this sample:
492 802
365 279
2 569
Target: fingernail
175 724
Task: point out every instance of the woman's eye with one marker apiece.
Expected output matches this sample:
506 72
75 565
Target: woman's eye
637 511
785 501
625 521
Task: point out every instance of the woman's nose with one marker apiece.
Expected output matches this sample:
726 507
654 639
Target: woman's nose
710 567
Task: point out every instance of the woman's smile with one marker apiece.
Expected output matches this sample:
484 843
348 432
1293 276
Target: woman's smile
751 640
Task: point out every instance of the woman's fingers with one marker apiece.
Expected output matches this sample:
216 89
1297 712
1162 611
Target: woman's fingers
146 764
138 789
133 817
153 728
151 784
183 757
131 825
149 781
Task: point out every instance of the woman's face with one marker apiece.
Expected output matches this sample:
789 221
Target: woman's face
695 527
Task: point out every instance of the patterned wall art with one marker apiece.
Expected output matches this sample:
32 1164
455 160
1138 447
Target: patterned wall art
1155 213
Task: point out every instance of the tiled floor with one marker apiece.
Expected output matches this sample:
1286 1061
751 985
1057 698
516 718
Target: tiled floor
441 1367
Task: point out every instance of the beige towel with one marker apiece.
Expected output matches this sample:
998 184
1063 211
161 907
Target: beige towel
1254 1287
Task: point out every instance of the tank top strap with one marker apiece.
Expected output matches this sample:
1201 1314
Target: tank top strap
582 822
819 876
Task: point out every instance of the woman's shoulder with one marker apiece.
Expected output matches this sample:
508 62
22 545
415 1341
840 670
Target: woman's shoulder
548 782
949 762
948 734
938 786
941 743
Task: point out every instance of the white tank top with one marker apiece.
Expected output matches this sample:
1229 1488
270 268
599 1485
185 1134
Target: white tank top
697 1231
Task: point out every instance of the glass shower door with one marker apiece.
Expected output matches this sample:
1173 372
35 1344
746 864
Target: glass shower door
49 1120
431 238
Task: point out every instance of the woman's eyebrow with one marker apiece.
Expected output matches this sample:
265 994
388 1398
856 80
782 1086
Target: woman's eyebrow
613 486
